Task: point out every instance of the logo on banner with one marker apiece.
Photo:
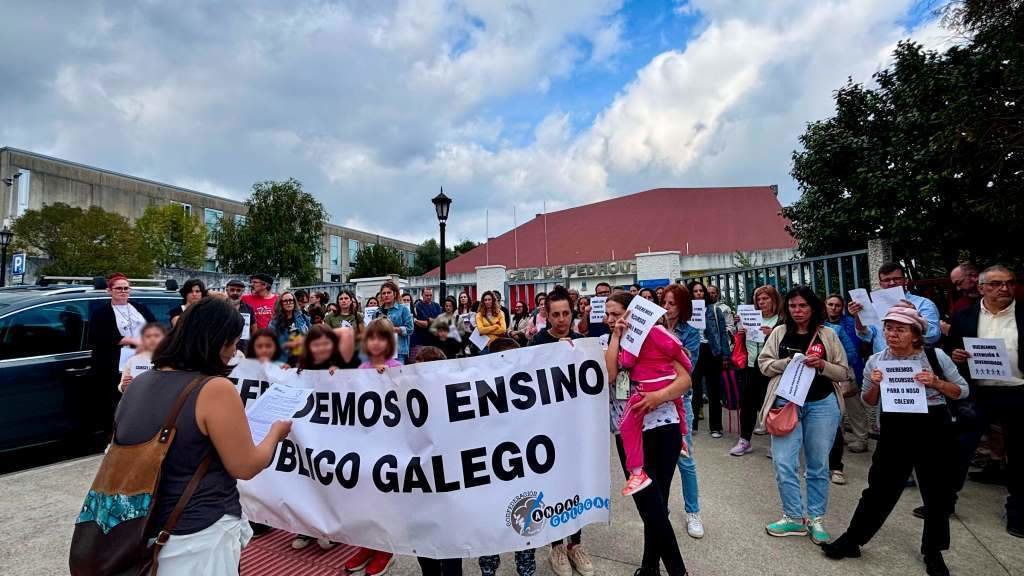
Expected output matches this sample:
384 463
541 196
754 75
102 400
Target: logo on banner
527 514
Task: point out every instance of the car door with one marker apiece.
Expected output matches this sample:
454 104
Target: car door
44 369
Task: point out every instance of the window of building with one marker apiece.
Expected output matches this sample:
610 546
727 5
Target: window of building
335 253
410 259
186 207
210 265
212 218
239 220
353 250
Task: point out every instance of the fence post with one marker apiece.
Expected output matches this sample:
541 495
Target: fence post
879 252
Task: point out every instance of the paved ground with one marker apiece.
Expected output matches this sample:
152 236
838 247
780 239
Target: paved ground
738 497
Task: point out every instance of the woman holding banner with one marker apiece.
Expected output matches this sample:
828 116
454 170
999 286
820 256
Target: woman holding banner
662 442
804 426
768 301
908 442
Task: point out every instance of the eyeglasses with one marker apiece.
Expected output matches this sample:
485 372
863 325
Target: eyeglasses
999 284
288 301
121 288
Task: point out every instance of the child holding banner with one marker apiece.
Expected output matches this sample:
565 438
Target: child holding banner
909 440
379 347
653 369
153 334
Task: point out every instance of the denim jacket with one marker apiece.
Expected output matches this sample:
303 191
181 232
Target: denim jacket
690 339
401 317
302 325
717 332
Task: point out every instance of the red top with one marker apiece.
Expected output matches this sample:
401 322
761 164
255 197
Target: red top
657 354
262 308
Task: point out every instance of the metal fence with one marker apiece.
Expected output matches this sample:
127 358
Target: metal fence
824 274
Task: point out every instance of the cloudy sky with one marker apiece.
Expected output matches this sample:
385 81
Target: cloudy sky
375 104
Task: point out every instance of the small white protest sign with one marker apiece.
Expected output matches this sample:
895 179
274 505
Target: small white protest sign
900 392
643 315
885 299
246 326
868 316
597 309
751 319
478 339
989 359
698 320
796 380
369 314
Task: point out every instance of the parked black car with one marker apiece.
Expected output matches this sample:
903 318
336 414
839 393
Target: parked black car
50 409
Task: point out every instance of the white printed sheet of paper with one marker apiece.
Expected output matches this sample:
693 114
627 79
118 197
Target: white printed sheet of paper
868 316
597 304
885 299
138 366
369 314
989 359
456 458
699 319
478 339
247 326
643 316
279 402
751 319
900 392
796 380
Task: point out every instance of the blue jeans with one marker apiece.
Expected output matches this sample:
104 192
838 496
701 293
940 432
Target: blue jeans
814 434
688 466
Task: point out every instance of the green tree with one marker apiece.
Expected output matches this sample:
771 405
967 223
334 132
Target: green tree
932 158
81 242
428 255
282 233
378 260
174 238
465 246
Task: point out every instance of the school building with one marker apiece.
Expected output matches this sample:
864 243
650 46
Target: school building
651 238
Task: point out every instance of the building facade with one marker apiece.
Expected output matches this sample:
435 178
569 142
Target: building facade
33 180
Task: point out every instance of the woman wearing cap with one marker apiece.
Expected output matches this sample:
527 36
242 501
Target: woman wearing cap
816 421
921 442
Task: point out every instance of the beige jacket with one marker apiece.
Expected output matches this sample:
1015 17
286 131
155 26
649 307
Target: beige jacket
836 367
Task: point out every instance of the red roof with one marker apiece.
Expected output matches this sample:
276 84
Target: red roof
711 220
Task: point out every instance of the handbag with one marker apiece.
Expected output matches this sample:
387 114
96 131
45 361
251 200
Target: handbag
739 351
782 420
111 532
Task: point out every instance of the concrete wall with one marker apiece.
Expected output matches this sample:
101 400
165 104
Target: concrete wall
694 263
54 180
490 278
657 266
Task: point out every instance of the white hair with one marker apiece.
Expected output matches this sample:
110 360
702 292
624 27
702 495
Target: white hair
994 268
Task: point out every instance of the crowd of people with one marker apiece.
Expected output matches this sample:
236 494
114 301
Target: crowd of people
674 382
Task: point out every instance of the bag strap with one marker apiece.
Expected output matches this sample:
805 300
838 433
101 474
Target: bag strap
933 359
172 417
179 508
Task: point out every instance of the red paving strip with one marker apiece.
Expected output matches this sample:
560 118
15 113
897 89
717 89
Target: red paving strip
272 554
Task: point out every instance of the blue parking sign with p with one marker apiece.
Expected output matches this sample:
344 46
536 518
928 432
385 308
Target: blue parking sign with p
18 263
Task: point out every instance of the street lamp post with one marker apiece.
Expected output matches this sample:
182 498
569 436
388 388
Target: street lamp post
441 205
5 240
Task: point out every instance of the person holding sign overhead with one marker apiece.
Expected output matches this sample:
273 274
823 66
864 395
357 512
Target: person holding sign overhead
768 302
803 338
996 317
909 441
892 275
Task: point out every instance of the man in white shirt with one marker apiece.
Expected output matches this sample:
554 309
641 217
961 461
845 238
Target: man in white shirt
996 315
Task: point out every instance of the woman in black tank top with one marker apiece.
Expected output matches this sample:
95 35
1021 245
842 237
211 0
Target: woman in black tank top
212 420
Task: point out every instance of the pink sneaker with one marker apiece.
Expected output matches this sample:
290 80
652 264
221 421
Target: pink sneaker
742 447
636 483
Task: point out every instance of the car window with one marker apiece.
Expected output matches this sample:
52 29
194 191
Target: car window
160 307
48 329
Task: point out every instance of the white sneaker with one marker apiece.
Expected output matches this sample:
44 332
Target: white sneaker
301 542
760 430
324 543
694 527
580 560
560 561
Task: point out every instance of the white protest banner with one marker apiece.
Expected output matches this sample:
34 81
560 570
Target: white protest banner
247 326
989 359
456 458
279 402
885 299
137 366
698 320
478 339
796 380
868 316
751 318
900 392
597 309
643 315
369 314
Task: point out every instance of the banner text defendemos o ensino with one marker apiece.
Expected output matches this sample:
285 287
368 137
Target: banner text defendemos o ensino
465 401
